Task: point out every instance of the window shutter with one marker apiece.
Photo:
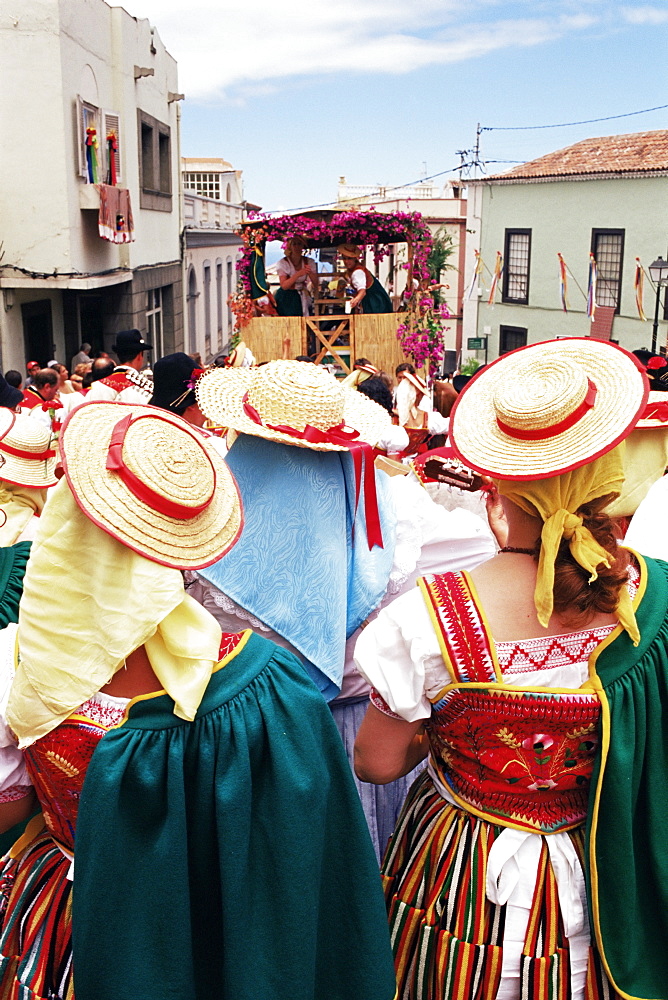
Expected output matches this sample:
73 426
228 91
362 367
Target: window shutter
81 138
87 116
112 123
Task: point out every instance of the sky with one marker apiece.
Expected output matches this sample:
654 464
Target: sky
297 94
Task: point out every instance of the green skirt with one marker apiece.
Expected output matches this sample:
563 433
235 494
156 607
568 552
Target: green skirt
228 857
376 299
288 302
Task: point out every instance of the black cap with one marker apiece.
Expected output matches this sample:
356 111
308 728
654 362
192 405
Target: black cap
10 397
126 340
171 375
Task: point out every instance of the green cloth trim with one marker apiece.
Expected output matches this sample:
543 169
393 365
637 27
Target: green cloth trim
229 856
628 855
13 562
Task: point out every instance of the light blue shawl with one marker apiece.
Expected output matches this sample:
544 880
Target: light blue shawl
298 565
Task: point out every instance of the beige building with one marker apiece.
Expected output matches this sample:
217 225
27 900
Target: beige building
212 212
76 71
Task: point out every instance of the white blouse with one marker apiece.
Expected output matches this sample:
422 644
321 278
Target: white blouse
400 657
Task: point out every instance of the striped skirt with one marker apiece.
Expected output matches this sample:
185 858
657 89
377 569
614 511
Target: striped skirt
36 916
447 936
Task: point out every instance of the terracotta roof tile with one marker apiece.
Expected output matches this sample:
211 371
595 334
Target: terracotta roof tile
637 152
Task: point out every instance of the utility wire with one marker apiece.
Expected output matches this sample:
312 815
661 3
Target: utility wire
586 121
396 187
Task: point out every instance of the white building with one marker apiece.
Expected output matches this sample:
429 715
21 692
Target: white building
604 197
442 208
73 66
212 212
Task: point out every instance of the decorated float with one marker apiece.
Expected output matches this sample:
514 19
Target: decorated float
333 334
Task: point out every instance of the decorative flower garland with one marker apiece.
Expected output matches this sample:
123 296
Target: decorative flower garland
421 332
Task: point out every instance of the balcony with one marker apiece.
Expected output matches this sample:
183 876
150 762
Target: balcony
209 213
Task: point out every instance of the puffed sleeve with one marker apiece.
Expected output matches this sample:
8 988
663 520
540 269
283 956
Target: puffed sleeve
399 656
14 780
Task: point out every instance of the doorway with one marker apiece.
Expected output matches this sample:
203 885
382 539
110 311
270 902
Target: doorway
38 331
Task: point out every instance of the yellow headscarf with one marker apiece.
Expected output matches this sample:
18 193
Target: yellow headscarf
80 619
18 504
556 500
645 461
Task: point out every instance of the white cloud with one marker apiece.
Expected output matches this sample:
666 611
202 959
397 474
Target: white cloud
231 49
645 15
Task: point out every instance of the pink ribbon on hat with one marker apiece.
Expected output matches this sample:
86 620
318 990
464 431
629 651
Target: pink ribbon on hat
362 456
142 491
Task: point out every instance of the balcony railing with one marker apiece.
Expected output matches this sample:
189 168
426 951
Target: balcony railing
209 213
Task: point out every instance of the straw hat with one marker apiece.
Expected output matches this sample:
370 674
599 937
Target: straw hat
548 408
156 486
289 394
349 250
27 456
415 380
237 355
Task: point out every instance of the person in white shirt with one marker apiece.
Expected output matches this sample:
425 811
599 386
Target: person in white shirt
126 384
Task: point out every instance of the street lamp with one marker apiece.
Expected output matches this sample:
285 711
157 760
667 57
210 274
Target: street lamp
659 275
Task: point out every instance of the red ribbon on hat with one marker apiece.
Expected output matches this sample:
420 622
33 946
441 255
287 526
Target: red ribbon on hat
40 456
656 411
142 491
542 433
362 456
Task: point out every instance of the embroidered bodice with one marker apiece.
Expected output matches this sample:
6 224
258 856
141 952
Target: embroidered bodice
57 762
518 756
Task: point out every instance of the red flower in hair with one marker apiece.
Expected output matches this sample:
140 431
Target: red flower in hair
655 363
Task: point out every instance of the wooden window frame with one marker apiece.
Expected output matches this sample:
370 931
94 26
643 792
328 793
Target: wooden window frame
509 233
506 328
595 233
153 197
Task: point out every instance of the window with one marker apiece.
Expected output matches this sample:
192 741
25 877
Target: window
516 266
155 163
219 304
154 320
192 309
230 291
607 246
511 337
105 124
207 309
206 184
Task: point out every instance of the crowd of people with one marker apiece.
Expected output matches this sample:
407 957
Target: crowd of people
278 723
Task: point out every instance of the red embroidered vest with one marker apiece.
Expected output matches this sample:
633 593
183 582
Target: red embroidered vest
57 762
518 757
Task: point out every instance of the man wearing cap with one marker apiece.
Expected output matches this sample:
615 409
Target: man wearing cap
32 368
125 384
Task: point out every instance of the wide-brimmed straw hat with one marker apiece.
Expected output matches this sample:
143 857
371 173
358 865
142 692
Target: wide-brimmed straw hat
349 250
415 380
292 403
548 408
27 453
147 478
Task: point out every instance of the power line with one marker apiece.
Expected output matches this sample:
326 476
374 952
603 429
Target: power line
586 121
396 187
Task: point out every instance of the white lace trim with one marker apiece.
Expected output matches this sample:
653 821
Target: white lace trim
232 608
105 709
